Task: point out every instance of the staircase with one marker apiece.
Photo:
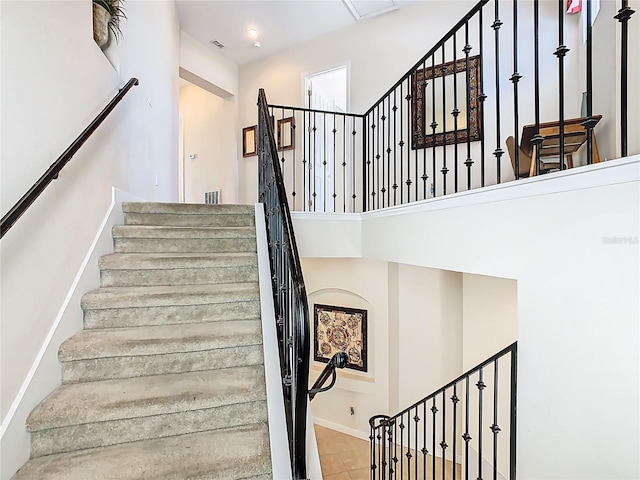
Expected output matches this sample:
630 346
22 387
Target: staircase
166 380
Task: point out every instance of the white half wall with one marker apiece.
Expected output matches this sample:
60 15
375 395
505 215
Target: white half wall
570 241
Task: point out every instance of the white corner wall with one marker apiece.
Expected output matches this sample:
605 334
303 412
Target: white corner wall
54 81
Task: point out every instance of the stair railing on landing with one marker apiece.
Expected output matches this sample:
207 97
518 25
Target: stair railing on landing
454 432
12 216
456 119
290 297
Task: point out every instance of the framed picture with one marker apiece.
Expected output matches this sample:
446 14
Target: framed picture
249 144
448 81
340 329
285 133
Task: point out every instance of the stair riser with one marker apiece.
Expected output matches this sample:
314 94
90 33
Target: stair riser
180 276
142 365
170 315
183 245
176 220
98 434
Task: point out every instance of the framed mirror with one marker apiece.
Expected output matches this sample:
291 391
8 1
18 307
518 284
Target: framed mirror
429 86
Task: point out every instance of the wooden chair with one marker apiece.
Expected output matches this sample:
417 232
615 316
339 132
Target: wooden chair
575 135
525 160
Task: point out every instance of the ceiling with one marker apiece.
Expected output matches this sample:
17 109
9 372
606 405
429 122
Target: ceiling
280 23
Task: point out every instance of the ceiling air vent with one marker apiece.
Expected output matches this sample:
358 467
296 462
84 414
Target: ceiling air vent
216 43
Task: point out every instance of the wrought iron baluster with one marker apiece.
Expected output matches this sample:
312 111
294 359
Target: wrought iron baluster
324 162
443 443
454 401
389 151
465 436
353 162
560 52
467 49
422 141
401 144
395 148
481 386
444 169
455 112
425 451
590 122
314 169
409 181
481 98
344 164
537 139
623 16
416 419
376 192
401 446
383 190
515 79
495 429
434 411
373 159
334 163
513 413
433 125
498 152
365 162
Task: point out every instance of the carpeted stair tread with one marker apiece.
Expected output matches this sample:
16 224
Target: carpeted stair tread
89 402
236 453
106 368
157 232
152 261
169 295
162 339
187 208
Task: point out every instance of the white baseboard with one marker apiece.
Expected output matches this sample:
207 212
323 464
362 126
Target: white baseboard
341 428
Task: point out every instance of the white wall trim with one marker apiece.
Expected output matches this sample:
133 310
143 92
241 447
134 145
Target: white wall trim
623 170
45 345
280 461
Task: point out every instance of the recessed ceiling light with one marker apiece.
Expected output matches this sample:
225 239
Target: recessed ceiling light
253 32
257 44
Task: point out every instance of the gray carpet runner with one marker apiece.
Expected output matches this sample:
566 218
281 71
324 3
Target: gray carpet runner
166 381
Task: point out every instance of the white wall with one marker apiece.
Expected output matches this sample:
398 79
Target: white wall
207 135
430 323
570 242
136 144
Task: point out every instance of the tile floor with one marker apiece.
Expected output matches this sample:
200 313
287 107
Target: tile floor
343 457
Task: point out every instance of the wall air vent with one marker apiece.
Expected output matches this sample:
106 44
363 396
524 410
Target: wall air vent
212 197
216 43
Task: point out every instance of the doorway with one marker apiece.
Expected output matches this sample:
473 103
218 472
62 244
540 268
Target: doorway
326 91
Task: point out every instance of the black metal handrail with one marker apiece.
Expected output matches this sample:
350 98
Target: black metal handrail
339 360
397 448
12 216
290 297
